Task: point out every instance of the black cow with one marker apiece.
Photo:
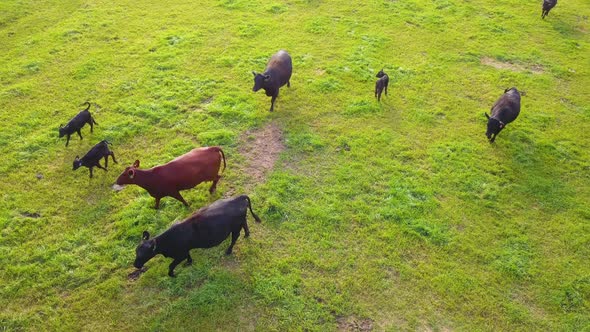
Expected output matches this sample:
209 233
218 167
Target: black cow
206 228
547 6
381 84
504 111
277 73
92 158
77 123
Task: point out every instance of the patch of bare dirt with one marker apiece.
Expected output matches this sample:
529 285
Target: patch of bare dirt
535 69
261 149
30 214
354 324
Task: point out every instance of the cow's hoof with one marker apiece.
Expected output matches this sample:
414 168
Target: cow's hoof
172 275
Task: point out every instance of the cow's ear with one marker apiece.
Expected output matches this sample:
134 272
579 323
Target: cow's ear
266 77
77 158
487 116
254 73
146 235
131 173
136 164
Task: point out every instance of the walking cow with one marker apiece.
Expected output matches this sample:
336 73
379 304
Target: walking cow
206 228
504 111
547 6
381 84
76 124
93 157
277 73
184 172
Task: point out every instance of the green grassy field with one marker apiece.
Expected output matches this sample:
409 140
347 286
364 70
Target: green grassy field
391 216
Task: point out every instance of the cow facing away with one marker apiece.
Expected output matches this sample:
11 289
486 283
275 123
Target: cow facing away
77 122
547 6
206 228
184 172
381 84
277 73
504 111
92 158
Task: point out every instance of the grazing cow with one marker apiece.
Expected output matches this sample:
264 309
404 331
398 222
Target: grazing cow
184 172
77 123
547 6
277 73
206 228
504 111
92 158
381 84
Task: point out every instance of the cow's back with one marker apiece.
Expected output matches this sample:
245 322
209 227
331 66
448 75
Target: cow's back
213 224
280 67
192 168
507 108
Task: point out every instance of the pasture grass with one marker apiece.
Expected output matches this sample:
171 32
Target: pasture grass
397 216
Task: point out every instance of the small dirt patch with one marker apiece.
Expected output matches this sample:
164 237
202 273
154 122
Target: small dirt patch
354 324
536 69
30 214
261 149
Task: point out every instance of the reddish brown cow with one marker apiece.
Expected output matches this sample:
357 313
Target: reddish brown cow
184 172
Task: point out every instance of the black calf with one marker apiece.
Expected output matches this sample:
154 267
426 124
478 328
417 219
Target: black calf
77 123
547 6
381 84
92 158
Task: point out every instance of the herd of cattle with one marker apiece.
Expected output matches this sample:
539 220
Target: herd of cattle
211 225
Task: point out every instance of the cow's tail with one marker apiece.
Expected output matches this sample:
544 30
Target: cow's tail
223 157
87 105
250 207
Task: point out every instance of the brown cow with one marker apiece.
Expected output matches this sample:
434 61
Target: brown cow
184 172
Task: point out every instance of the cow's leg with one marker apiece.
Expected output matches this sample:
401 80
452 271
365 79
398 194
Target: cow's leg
158 202
106 161
379 95
175 262
272 102
98 165
246 230
386 89
179 197
68 140
79 133
214 185
113 156
288 84
91 125
234 238
90 169
189 259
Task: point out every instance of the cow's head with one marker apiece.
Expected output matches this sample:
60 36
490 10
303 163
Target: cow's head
62 131
77 163
494 127
381 73
260 81
128 175
145 251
